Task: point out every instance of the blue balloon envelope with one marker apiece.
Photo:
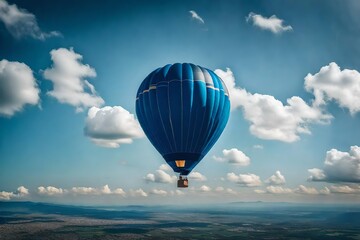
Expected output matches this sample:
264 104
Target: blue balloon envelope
183 109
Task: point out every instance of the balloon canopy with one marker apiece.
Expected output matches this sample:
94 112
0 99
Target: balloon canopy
183 109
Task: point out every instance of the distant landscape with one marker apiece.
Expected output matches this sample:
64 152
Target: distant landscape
258 220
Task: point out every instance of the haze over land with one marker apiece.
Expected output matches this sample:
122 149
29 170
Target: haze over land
24 220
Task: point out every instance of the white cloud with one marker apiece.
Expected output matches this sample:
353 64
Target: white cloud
325 191
138 193
50 190
269 118
160 177
236 94
273 23
316 174
276 179
119 191
248 180
197 176
111 126
84 190
300 190
6 195
105 190
205 188
165 167
158 192
18 87
345 189
150 177
260 191
21 192
258 146
67 75
196 16
332 83
339 167
234 156
230 191
20 23
306 190
278 190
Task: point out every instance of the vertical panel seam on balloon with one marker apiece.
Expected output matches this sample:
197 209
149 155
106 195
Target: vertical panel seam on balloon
162 123
171 125
202 122
196 116
190 108
211 124
182 117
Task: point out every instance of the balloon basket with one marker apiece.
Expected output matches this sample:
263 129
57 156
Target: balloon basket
182 182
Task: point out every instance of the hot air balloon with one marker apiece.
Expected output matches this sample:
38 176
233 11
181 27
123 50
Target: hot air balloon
183 109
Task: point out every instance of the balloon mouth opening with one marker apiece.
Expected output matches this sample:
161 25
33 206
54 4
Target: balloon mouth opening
183 162
180 163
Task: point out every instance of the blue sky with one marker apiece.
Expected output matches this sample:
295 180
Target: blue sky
60 59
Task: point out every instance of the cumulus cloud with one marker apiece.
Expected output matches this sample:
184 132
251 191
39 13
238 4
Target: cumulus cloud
105 190
236 93
269 118
20 192
165 167
325 191
158 192
230 191
111 126
260 191
197 176
20 23
248 180
276 179
138 193
50 191
316 174
339 167
278 190
205 188
18 87
300 190
84 190
6 195
273 23
160 176
119 191
234 156
68 77
306 190
332 83
196 16
345 189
